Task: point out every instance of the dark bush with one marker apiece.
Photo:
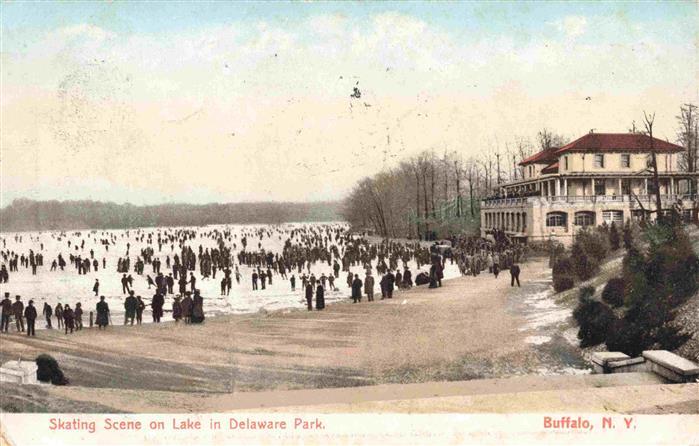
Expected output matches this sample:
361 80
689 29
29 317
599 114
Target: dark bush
613 292
583 266
595 243
628 235
627 337
48 370
594 319
562 283
586 292
562 272
614 239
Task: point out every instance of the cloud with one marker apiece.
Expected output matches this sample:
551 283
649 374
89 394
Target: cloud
572 25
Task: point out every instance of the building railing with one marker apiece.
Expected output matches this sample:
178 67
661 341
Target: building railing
631 199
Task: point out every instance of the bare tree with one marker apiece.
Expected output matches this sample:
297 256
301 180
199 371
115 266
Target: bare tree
687 136
648 121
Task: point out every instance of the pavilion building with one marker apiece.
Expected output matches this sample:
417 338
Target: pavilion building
598 178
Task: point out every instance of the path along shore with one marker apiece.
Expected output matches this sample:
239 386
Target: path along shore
463 331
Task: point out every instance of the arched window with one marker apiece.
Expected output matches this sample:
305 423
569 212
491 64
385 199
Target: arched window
555 219
585 218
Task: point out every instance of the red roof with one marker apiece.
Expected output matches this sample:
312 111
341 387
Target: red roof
618 141
551 168
543 157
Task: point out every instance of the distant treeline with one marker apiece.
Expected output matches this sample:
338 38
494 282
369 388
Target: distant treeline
30 215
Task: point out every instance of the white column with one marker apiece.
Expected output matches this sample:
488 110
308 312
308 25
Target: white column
558 187
592 183
565 187
541 185
645 186
619 187
672 186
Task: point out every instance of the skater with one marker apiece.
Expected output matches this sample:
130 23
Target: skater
47 312
102 313
514 274
30 315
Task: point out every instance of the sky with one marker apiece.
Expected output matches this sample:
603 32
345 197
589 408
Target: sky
153 102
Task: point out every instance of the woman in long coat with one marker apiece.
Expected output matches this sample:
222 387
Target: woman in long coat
197 308
157 306
357 289
309 296
102 313
320 297
176 309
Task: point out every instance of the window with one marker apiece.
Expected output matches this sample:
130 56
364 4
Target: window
565 162
599 161
584 218
625 160
599 187
556 219
610 217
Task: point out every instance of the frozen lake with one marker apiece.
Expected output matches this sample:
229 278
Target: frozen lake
69 287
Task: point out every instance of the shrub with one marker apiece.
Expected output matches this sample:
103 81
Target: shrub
594 319
48 370
614 241
586 292
583 266
626 337
628 235
562 272
613 292
562 283
593 243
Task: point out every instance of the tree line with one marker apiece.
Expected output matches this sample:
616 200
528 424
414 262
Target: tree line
30 215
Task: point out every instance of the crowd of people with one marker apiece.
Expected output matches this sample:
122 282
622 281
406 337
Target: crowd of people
369 266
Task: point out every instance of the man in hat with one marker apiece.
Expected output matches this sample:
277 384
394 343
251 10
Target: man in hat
6 305
30 314
18 312
130 305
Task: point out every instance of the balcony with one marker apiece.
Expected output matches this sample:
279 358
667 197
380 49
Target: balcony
646 200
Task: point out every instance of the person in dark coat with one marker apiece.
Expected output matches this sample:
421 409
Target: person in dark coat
68 318
514 274
18 312
186 307
47 312
369 286
390 282
356 289
157 307
176 309
320 297
78 313
58 311
407 279
96 287
102 313
140 306
6 305
30 315
197 308
309 296
130 304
